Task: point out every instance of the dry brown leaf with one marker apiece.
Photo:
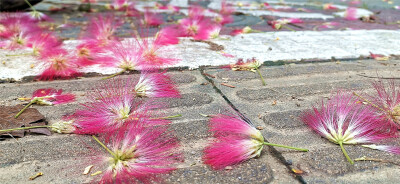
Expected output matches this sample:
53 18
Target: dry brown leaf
30 117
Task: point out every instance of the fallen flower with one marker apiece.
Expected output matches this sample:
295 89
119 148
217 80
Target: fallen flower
385 102
235 141
152 19
155 85
386 148
47 96
58 63
379 57
279 23
113 105
351 13
252 65
329 6
342 120
126 56
244 30
138 154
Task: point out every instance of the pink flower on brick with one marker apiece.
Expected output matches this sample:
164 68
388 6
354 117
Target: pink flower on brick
52 96
102 29
152 19
89 53
157 85
167 36
236 141
351 13
138 154
47 96
385 102
386 148
113 105
151 54
342 120
42 42
126 56
58 63
279 23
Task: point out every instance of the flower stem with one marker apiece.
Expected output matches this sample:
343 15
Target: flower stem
104 146
287 27
262 79
25 128
26 106
113 75
283 146
169 117
345 153
365 100
30 5
23 54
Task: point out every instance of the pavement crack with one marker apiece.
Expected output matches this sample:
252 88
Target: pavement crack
275 153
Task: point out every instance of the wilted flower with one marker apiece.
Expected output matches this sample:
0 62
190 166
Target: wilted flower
155 85
138 154
344 121
47 96
252 65
278 24
63 127
235 141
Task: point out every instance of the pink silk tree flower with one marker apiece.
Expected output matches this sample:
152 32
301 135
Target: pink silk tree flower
42 42
167 7
196 12
191 27
235 141
329 6
138 154
279 23
167 36
244 30
36 16
127 56
351 13
151 54
152 19
122 5
58 63
385 148
252 65
385 102
89 53
102 29
211 32
113 105
342 120
157 85
47 96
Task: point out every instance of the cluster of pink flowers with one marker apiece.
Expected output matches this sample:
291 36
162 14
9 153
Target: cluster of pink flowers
349 118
